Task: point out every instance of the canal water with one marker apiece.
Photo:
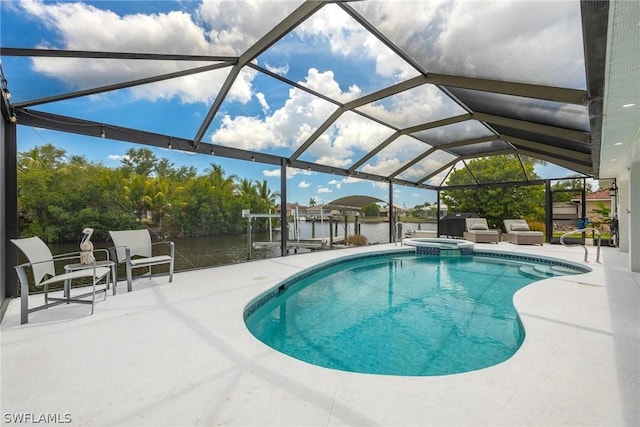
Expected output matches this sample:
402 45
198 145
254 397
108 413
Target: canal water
203 252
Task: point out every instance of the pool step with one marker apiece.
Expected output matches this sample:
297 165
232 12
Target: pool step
544 271
563 270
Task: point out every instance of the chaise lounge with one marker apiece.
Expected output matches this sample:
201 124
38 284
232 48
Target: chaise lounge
518 232
477 230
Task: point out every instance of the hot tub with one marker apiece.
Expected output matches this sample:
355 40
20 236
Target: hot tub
439 246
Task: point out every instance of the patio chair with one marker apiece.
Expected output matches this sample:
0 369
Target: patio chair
42 263
518 232
134 248
477 230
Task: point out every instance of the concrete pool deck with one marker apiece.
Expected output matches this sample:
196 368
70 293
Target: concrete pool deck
179 354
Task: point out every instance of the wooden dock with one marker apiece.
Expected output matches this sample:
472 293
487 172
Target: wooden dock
311 244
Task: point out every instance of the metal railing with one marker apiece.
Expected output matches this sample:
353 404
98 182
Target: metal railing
397 236
586 251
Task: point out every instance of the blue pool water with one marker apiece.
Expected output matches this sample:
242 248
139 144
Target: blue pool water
399 315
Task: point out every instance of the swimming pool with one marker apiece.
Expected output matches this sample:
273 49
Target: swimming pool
401 313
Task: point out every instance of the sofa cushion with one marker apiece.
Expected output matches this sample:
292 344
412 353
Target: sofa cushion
519 227
478 226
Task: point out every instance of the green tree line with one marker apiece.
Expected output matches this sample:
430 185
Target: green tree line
499 203
59 195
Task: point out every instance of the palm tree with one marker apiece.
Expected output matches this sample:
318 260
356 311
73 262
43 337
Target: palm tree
245 188
312 202
265 194
137 190
159 199
216 176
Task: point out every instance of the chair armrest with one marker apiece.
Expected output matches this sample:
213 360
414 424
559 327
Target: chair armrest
172 246
74 255
164 242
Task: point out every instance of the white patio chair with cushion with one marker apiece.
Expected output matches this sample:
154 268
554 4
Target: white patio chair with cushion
134 248
477 230
518 232
42 263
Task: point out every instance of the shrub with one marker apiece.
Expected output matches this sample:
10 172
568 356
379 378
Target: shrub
356 240
536 225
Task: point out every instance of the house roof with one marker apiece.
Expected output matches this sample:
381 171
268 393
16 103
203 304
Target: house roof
596 195
356 201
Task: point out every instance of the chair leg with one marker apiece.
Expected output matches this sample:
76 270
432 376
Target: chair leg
93 295
24 295
114 277
106 288
129 277
171 271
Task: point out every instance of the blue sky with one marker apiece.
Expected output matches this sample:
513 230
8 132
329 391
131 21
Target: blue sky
330 53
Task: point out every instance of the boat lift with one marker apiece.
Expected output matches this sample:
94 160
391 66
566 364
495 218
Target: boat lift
297 243
246 213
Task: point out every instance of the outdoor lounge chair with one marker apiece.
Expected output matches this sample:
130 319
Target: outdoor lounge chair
477 230
134 248
518 232
42 263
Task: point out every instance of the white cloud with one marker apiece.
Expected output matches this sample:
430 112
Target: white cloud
532 41
281 70
380 185
351 180
337 183
249 133
418 105
219 28
347 139
222 28
348 38
383 167
304 184
541 49
295 171
235 25
291 172
263 102
117 157
324 190
271 173
325 83
286 127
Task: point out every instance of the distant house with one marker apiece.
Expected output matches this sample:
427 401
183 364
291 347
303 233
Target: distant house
320 211
294 208
593 201
399 210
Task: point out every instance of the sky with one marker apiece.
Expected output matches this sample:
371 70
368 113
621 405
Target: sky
329 53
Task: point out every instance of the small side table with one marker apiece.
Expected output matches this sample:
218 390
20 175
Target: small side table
73 267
